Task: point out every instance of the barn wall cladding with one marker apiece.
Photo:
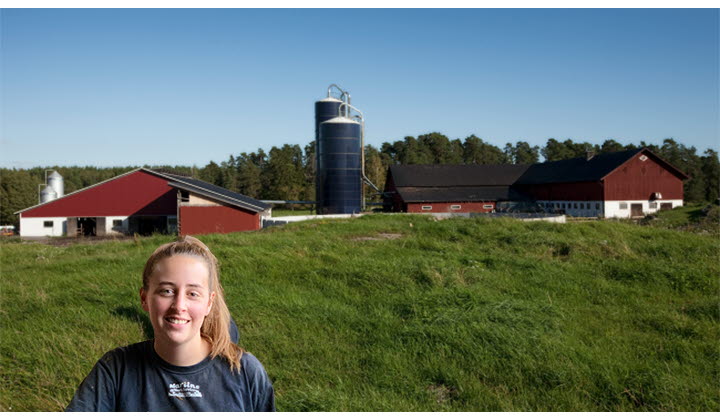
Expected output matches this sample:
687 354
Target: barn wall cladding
451 207
135 193
639 179
196 220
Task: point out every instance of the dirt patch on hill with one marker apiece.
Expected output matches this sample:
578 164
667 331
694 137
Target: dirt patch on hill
379 237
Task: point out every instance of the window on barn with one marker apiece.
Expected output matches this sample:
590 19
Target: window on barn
574 205
48 223
597 206
117 223
623 206
427 207
582 206
455 207
487 206
653 205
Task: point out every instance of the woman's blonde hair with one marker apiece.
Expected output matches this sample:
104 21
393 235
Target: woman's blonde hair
216 327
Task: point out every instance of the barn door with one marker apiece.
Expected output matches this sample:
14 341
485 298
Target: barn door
100 223
636 210
72 226
665 206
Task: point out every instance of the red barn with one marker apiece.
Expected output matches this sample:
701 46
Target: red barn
144 201
450 188
630 183
623 184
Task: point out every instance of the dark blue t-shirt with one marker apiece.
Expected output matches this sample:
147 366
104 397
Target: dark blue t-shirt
135 378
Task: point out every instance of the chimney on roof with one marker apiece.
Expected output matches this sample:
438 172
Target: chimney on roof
589 154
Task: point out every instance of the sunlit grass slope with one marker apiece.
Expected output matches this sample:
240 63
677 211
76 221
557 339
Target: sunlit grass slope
395 312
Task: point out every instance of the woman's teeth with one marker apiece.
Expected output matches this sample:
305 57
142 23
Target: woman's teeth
177 321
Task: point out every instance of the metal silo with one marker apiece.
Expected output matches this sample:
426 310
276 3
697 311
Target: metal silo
55 180
339 180
47 194
325 109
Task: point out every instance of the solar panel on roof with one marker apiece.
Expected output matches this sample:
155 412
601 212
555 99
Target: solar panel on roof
219 191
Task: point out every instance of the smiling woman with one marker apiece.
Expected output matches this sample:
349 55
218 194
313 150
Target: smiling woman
191 364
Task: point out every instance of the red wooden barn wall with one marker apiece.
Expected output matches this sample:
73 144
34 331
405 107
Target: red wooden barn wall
137 193
195 220
638 180
445 207
572 191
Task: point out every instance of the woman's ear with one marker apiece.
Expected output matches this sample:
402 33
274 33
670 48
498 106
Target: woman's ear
143 300
210 303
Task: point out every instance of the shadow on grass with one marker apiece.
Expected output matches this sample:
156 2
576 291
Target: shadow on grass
696 216
136 315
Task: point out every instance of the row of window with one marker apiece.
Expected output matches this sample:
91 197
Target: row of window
458 207
575 205
652 205
588 206
50 223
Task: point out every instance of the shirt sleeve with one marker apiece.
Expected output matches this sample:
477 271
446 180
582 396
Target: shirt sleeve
97 391
261 388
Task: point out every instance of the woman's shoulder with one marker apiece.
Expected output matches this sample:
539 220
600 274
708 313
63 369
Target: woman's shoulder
251 365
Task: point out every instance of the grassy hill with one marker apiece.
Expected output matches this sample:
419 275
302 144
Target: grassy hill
398 312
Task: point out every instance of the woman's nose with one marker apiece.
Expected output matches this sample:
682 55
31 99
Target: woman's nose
179 301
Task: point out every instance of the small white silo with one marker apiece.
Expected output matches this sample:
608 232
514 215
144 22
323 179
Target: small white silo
47 194
57 183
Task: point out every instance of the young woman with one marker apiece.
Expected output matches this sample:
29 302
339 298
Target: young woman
192 363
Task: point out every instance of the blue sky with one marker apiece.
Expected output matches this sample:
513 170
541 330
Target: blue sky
114 87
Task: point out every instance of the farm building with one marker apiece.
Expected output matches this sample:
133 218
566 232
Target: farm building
623 184
144 201
451 188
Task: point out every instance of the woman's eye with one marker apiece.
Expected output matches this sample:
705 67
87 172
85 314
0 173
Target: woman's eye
166 292
194 294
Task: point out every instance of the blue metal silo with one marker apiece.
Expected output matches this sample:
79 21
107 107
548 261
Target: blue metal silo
339 180
325 109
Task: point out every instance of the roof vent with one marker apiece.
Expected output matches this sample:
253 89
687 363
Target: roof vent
657 196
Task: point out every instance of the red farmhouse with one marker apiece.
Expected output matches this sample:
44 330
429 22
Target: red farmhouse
144 201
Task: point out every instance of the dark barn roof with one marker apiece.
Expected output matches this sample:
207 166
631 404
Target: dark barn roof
456 183
455 175
582 170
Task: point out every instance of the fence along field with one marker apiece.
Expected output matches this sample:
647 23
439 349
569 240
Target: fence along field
402 313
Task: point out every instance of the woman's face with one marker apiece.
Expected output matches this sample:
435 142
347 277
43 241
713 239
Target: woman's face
178 299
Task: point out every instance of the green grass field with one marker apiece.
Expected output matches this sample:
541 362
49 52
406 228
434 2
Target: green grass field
398 312
289 212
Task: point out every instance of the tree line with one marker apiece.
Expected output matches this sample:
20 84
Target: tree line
288 172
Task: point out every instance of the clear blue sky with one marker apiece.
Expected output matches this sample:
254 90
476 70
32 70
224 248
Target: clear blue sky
181 87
